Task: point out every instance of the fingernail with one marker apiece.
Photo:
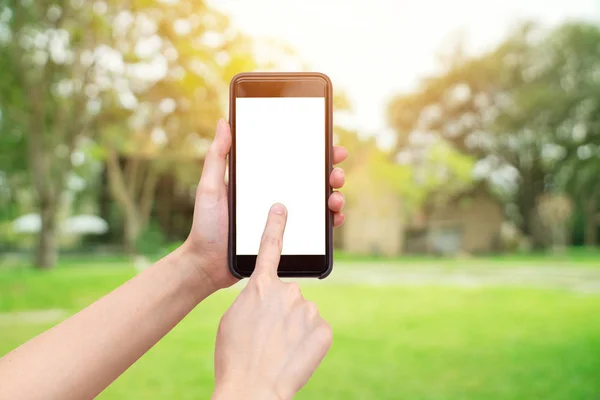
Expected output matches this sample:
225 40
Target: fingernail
278 209
220 124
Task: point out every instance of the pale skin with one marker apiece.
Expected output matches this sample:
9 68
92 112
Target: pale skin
81 356
284 338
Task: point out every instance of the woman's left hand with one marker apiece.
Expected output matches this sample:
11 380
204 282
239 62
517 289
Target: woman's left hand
207 242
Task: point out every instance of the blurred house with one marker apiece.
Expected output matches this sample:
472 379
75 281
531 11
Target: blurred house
467 223
375 223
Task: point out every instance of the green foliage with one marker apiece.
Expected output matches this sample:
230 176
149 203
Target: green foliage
527 111
446 171
152 240
11 240
385 174
442 171
171 247
144 80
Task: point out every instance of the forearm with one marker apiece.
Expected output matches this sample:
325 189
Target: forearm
80 357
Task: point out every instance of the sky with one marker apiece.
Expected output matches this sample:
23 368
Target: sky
374 49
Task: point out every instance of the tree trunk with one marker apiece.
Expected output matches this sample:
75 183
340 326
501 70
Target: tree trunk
131 231
529 190
591 223
120 192
47 250
134 191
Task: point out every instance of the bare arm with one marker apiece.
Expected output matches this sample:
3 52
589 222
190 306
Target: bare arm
80 357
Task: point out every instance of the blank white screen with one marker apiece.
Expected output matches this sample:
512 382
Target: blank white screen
280 158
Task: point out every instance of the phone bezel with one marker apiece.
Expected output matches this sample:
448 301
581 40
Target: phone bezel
282 85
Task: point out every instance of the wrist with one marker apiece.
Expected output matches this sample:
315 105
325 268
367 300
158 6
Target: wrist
191 267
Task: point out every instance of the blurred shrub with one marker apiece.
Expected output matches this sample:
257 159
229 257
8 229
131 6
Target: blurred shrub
170 247
152 240
11 240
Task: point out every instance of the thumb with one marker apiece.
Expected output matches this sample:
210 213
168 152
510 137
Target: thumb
271 243
213 172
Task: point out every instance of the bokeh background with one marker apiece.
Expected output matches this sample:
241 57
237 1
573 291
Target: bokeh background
469 266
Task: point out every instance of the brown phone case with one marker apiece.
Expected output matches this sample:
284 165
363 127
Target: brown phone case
274 77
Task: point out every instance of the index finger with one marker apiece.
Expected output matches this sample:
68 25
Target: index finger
271 243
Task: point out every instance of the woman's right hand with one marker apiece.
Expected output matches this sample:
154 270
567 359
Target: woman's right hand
271 340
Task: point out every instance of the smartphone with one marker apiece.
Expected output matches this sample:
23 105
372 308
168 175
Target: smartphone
281 126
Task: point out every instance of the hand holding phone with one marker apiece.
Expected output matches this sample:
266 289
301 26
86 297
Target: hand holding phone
271 340
208 239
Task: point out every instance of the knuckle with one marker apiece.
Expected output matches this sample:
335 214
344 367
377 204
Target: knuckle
213 150
324 333
206 189
311 309
293 289
272 240
260 284
267 261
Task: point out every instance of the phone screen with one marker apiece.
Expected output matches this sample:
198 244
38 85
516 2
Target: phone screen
280 145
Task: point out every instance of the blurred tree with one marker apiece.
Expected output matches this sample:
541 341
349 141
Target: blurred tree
579 178
574 75
160 120
48 66
13 169
143 79
524 109
556 113
555 212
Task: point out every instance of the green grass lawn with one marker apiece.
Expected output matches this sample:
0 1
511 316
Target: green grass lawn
574 256
389 342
